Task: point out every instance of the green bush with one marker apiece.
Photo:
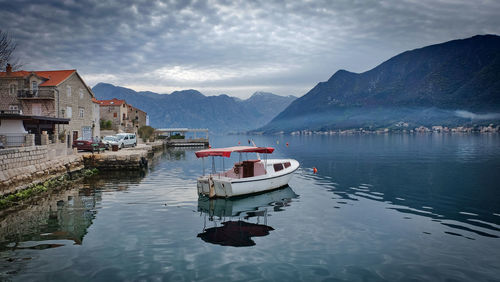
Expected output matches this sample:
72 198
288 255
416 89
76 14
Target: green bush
106 124
90 172
145 132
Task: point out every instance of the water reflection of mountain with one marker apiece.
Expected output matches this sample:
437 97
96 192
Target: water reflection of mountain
449 178
63 215
238 233
461 214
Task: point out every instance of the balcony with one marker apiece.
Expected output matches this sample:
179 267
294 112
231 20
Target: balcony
11 112
35 94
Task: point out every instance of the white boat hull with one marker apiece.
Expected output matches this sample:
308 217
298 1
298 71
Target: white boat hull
231 187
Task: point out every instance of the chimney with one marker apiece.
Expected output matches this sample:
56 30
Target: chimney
8 69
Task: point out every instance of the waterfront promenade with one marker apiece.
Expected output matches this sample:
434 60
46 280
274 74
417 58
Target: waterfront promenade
25 166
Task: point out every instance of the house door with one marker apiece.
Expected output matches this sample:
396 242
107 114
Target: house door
75 135
36 109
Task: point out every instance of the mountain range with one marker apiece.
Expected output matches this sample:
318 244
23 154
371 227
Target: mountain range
192 109
451 83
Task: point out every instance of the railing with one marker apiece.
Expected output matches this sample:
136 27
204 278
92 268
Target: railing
11 112
14 140
40 94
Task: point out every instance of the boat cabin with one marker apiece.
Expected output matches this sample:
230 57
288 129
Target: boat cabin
245 169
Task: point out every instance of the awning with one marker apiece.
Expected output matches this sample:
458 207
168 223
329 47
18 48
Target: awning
226 152
51 120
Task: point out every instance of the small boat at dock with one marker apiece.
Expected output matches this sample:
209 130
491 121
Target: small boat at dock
246 176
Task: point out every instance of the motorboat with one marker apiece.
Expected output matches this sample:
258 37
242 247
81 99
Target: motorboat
246 176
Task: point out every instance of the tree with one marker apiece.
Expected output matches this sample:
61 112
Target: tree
145 132
7 47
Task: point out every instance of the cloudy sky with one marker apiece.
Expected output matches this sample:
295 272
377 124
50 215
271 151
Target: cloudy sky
231 46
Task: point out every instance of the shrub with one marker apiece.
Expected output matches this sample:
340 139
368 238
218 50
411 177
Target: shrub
145 132
109 124
106 124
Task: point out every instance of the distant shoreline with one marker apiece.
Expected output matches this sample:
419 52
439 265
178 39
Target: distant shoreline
421 129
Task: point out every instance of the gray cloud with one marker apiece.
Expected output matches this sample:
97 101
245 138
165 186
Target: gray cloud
470 115
235 47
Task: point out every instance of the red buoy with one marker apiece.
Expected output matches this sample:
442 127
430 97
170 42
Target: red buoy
315 170
287 144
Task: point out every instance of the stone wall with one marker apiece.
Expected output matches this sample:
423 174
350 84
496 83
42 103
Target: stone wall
97 120
21 157
130 159
20 167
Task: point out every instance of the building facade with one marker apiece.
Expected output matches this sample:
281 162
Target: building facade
122 116
54 96
114 111
136 118
96 112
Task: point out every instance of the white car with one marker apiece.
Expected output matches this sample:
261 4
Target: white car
109 141
126 140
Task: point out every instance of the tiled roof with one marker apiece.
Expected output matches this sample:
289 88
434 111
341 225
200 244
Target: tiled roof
54 78
112 102
15 74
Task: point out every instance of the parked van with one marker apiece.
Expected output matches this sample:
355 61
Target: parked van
126 139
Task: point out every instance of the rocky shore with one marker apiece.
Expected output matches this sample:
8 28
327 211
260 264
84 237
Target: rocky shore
131 158
27 166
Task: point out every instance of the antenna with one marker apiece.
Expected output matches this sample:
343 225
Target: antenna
258 155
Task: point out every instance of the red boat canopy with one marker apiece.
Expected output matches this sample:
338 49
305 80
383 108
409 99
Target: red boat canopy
226 152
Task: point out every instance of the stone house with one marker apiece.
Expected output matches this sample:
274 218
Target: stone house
136 118
114 110
57 102
123 117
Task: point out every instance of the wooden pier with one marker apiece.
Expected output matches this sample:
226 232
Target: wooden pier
177 137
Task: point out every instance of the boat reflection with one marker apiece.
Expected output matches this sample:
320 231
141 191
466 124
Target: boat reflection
235 233
239 233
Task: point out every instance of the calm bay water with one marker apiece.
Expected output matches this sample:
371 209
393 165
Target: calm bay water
382 207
